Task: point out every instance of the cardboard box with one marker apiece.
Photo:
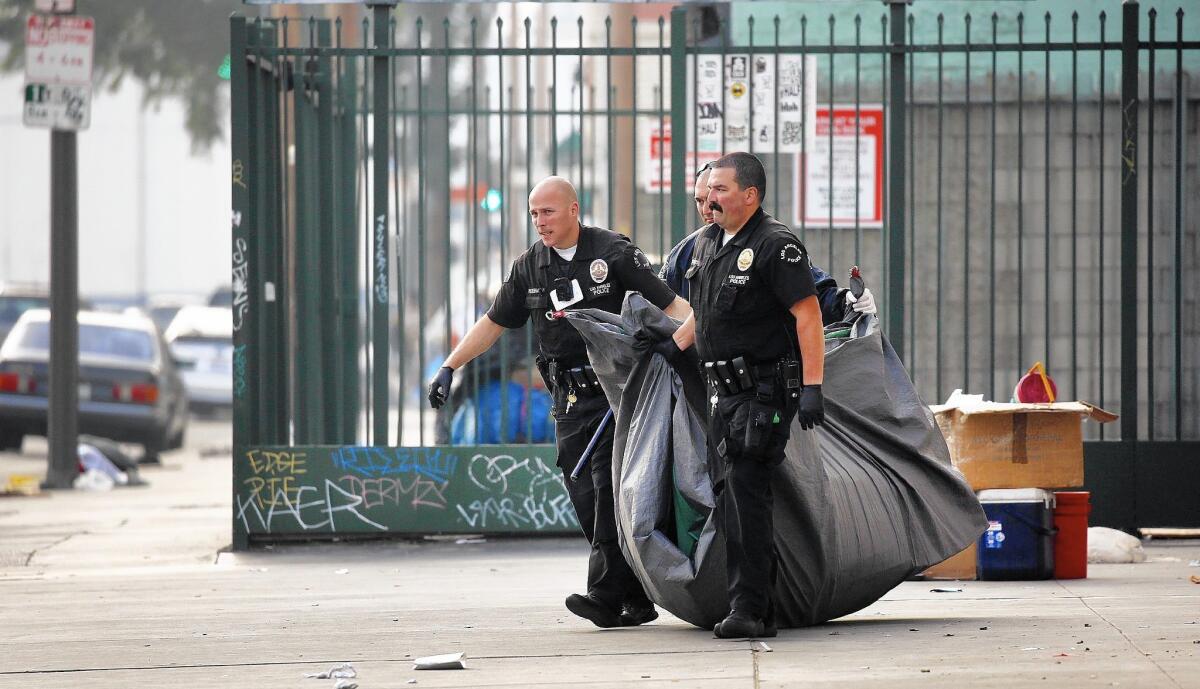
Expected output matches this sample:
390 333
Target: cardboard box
999 445
960 567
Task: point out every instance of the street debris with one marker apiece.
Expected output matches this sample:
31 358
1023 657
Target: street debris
760 647
21 484
1034 648
470 541
945 590
345 684
341 571
1194 563
1110 546
343 671
1195 579
446 661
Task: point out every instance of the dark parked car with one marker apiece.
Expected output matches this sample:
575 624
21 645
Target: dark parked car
129 387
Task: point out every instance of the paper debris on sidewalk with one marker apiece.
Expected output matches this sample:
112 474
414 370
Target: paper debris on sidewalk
345 684
760 647
945 590
446 661
343 671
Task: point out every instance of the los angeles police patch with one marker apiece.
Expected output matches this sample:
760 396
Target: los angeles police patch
599 270
640 260
745 259
791 253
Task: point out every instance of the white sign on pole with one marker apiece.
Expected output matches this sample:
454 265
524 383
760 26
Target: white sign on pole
797 102
58 49
58 106
708 104
835 191
58 71
737 102
50 6
655 169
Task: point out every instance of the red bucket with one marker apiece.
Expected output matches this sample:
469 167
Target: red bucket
1071 511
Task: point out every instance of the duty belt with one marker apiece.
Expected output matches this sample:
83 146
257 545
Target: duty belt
581 379
735 376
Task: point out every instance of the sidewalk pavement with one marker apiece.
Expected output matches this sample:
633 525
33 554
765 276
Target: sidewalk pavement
133 588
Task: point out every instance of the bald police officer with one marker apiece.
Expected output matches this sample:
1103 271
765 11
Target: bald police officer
573 266
757 326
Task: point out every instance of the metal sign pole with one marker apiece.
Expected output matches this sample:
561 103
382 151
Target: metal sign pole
62 425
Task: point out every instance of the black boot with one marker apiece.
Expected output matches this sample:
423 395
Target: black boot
633 614
741 626
600 613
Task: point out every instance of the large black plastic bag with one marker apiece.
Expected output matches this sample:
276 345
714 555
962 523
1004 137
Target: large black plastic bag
860 504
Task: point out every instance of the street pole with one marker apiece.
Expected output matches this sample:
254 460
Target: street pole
64 309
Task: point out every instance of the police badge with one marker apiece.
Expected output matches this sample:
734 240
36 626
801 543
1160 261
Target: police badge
599 270
745 259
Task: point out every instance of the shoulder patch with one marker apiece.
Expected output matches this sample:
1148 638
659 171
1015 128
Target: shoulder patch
791 253
640 260
745 259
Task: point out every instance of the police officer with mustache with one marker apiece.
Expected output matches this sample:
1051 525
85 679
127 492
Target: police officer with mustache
757 327
573 266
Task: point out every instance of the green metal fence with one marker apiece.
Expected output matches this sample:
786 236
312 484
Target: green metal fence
1017 211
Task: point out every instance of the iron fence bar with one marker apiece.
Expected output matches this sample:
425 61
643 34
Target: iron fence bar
1048 271
1074 208
832 121
896 311
287 244
422 221
365 253
1177 323
308 350
750 80
349 254
682 229
448 414
473 204
679 125
618 51
883 97
937 345
584 197
609 94
1101 332
1129 228
1020 194
505 198
857 121
803 183
966 260
775 129
723 30
662 132
381 152
912 212
992 229
330 405
633 123
1150 372
242 220
400 194
553 95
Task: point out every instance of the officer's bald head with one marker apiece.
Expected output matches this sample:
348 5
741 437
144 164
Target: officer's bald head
554 208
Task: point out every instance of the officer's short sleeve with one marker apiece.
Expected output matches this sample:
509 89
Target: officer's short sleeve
508 310
634 271
787 270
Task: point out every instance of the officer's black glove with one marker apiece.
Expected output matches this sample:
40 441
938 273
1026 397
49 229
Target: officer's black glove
668 349
439 387
811 412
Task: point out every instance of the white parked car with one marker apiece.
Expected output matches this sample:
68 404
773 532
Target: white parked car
201 342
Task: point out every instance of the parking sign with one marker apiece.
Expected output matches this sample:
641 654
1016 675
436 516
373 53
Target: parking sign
58 71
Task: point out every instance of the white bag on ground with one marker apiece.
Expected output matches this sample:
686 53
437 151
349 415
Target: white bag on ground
1110 546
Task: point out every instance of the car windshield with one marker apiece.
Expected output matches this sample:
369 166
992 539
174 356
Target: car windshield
12 307
97 339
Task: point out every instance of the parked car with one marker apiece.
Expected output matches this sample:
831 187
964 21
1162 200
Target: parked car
129 387
16 300
201 341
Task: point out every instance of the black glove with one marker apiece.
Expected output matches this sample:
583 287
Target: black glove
811 412
668 349
439 387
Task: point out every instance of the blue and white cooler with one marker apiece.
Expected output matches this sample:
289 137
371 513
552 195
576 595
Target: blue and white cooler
1019 541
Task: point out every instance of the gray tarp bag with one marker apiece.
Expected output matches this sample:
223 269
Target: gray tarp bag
861 504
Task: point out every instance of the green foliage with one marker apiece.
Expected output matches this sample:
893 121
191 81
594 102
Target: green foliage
173 47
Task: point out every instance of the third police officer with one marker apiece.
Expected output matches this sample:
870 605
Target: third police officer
757 328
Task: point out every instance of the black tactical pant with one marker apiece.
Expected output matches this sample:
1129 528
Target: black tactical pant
743 477
610 578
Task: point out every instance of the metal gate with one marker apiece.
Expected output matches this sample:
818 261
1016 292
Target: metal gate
1032 176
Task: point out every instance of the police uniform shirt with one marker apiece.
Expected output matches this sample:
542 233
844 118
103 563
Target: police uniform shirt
605 266
743 290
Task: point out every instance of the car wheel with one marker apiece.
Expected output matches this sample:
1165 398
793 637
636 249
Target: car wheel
150 456
11 440
176 441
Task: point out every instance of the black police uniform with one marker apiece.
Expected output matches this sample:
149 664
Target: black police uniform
741 296
605 266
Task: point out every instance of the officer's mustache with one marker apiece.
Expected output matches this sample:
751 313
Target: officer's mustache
714 206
